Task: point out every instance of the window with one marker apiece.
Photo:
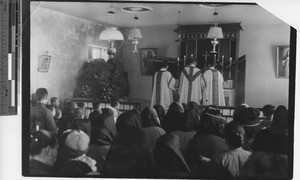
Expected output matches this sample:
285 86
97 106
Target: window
97 52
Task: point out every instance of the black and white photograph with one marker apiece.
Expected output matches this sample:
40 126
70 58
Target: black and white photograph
150 89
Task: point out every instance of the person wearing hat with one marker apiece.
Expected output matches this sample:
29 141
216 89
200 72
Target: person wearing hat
250 121
75 160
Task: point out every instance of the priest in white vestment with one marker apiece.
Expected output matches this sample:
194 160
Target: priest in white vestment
190 87
163 86
212 86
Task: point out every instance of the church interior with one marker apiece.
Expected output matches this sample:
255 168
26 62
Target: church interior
86 51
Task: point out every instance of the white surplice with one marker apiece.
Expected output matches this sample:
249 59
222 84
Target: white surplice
213 92
163 85
190 87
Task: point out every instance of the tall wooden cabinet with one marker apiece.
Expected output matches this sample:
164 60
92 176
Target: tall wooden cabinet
195 44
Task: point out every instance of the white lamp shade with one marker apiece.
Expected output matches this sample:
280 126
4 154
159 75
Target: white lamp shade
111 34
134 33
215 32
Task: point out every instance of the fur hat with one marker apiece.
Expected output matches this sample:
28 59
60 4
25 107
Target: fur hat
249 117
78 141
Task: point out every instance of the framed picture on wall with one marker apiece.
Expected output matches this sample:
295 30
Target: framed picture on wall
282 61
44 63
146 58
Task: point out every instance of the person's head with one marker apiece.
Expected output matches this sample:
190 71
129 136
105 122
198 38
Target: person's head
150 117
268 111
129 120
52 109
164 64
211 62
78 113
280 118
110 110
211 122
249 119
81 105
76 143
193 106
71 105
54 102
175 107
115 103
160 111
41 95
234 134
192 61
44 145
96 105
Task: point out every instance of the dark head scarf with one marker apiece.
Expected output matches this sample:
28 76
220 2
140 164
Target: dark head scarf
129 156
280 119
107 132
193 106
128 120
211 122
149 117
168 157
174 118
160 112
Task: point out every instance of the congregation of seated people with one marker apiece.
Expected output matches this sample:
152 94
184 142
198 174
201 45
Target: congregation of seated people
185 142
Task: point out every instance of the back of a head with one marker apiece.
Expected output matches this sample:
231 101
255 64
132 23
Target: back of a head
71 105
164 64
96 104
81 105
211 62
175 107
160 110
191 61
268 110
41 93
41 139
128 120
149 117
234 134
193 106
78 113
280 118
211 122
114 102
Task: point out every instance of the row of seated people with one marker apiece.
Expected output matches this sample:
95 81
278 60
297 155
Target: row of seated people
184 143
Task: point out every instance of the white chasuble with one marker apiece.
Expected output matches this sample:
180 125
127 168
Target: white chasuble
163 85
190 87
213 92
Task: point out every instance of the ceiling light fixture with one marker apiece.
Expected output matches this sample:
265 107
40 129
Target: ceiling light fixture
134 35
215 33
111 34
179 38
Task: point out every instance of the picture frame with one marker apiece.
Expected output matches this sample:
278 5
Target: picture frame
146 60
282 61
44 63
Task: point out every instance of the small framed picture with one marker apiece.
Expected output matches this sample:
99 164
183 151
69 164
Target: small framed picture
44 63
282 61
146 58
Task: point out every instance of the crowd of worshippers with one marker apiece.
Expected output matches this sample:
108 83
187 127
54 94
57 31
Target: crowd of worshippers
186 142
